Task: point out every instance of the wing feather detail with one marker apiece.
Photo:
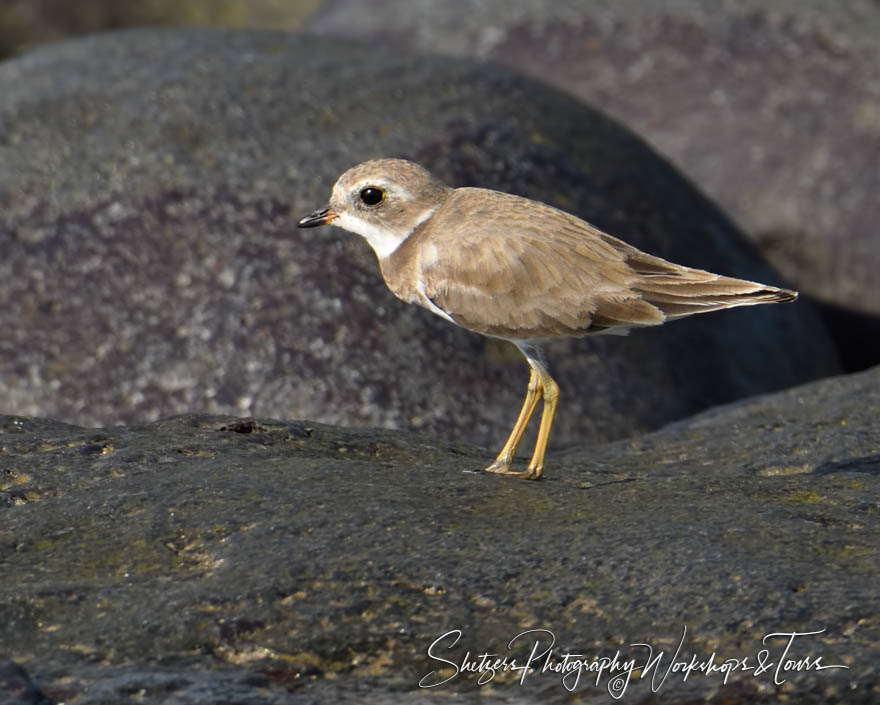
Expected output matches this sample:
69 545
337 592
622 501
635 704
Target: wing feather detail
527 275
510 267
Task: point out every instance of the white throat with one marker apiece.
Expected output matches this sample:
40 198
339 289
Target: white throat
384 241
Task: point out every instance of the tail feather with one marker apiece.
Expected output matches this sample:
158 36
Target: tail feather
684 296
680 291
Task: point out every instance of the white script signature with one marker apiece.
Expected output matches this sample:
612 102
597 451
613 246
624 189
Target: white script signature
533 652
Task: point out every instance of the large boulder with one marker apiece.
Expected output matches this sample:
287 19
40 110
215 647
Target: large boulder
773 109
149 186
220 560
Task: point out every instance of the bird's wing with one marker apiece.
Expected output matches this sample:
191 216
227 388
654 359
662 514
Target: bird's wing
521 269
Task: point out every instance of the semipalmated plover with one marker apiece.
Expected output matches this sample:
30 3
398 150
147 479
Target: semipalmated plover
517 269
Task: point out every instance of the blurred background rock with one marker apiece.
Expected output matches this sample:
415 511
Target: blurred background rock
150 182
773 110
26 23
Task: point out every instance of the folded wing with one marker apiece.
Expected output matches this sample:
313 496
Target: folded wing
539 272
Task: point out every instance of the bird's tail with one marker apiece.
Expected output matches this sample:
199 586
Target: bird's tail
689 291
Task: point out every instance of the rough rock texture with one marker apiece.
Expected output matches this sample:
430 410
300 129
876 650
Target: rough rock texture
150 183
213 559
771 108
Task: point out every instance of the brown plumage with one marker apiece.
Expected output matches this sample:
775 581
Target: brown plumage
513 268
539 272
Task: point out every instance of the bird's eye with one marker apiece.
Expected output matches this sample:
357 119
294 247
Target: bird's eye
372 196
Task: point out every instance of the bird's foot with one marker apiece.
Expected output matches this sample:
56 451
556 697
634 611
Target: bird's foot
534 473
501 467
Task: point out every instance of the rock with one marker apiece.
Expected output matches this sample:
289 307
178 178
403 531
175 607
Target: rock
772 109
149 186
200 555
17 688
25 23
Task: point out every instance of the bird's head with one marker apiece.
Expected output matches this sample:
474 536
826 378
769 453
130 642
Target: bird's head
382 200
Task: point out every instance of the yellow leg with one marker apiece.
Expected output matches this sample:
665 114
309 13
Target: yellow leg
551 397
505 457
540 382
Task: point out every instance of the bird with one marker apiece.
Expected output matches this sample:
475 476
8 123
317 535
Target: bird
517 269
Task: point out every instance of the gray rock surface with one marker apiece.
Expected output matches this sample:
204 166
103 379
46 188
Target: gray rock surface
211 559
149 186
772 108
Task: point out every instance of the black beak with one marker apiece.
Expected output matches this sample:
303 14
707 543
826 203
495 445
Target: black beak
313 220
